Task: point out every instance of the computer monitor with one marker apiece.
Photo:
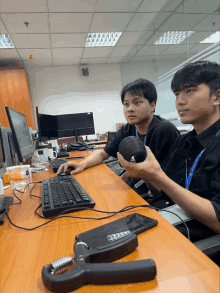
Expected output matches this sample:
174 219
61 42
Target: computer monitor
75 124
68 125
2 156
47 126
21 134
9 148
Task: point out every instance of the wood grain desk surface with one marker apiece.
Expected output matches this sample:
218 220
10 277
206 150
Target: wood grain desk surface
181 267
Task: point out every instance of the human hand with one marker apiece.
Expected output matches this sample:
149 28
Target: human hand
148 170
78 167
125 177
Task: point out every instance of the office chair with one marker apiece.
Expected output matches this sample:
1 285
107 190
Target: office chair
211 247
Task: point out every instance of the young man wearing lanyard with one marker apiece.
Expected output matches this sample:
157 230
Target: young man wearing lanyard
192 177
139 100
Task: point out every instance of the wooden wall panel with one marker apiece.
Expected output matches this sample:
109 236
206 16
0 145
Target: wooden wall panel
15 93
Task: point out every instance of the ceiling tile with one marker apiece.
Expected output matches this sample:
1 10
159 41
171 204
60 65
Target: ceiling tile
93 60
199 48
200 6
207 24
38 62
143 58
42 54
8 54
67 53
160 20
145 37
167 57
31 40
176 49
68 40
66 61
177 21
117 5
70 22
140 21
97 52
114 60
143 51
22 6
2 28
184 56
15 22
127 39
110 22
120 51
152 5
173 5
71 5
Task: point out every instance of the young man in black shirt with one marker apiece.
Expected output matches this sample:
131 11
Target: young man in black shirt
192 176
139 100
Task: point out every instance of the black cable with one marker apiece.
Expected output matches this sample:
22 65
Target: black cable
90 218
59 216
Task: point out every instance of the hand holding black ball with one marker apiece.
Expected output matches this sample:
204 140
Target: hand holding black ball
132 146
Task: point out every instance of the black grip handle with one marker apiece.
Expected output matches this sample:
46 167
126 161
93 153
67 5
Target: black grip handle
100 274
118 273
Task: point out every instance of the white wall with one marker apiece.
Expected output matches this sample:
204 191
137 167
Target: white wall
62 90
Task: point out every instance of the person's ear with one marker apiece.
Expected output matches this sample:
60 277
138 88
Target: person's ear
217 97
153 106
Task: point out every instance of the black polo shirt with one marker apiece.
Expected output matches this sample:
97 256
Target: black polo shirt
206 178
160 138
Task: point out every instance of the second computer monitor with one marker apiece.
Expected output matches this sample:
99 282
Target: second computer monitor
21 134
75 124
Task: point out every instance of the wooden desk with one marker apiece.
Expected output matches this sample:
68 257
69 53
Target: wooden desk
181 267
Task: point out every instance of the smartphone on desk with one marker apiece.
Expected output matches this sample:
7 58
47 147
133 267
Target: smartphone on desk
73 158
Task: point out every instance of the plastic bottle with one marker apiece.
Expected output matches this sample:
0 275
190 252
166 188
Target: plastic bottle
1 187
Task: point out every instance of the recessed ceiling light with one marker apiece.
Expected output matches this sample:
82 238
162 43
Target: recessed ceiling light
173 37
6 42
214 38
102 39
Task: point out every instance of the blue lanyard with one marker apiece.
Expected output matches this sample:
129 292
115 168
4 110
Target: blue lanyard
189 178
144 137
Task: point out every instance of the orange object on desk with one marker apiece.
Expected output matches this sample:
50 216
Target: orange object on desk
16 175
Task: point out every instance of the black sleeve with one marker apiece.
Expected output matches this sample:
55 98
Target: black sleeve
111 147
163 143
214 193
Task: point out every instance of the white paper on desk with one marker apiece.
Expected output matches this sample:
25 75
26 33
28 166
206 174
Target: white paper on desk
174 220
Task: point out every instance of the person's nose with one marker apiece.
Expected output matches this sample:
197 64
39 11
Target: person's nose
180 100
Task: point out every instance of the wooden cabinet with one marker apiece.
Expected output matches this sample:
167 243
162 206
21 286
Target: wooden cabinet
15 93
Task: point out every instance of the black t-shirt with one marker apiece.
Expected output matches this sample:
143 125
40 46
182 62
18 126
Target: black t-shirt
206 178
160 138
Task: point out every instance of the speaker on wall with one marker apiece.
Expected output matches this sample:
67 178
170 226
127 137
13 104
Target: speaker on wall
84 71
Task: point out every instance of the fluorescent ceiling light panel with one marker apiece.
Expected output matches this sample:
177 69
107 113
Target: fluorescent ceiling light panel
214 38
173 37
102 39
6 42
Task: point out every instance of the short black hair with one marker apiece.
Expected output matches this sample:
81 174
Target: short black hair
142 87
199 72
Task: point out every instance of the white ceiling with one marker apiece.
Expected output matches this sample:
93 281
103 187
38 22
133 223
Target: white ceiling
58 29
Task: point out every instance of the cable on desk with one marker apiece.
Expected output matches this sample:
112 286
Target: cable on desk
33 188
128 208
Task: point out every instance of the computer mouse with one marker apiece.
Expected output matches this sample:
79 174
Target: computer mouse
69 169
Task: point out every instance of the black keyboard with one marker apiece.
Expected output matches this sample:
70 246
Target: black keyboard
56 163
61 193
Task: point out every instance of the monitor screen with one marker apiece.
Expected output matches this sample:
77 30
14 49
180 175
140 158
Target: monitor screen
21 134
47 126
2 156
69 123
